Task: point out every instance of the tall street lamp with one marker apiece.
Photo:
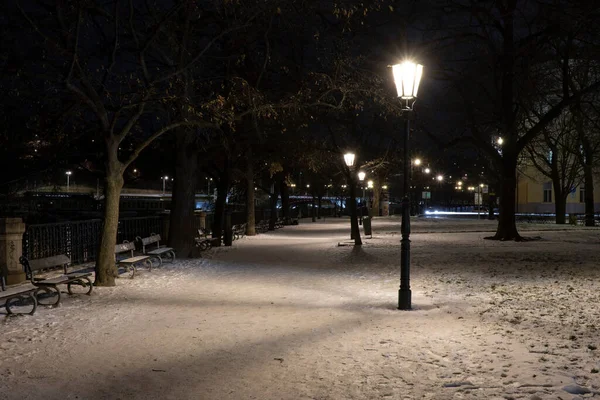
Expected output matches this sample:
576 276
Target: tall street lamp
164 179
407 77
68 173
369 209
361 178
354 232
208 181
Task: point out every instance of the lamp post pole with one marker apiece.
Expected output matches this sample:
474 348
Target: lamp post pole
404 294
407 77
354 231
164 179
361 179
68 173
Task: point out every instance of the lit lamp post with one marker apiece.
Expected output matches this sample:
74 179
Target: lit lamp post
407 77
354 232
164 179
68 173
479 189
208 181
370 186
361 178
414 203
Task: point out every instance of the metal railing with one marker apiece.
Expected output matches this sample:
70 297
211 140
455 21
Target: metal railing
80 239
129 228
77 239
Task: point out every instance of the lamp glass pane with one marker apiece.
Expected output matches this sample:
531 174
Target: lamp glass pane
408 80
397 71
418 75
407 77
349 159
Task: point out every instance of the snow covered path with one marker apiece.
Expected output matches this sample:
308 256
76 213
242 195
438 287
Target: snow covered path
292 315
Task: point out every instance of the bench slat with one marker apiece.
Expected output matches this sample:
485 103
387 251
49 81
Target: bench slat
49 262
132 260
54 281
150 240
11 291
160 251
123 247
78 274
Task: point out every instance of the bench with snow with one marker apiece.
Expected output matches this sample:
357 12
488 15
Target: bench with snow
159 252
18 297
239 231
204 239
50 285
130 262
262 226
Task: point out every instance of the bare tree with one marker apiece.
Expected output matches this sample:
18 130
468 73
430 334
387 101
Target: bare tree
554 155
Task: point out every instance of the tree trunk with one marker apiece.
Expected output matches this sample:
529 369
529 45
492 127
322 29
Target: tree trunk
105 264
181 232
319 204
507 227
355 232
220 204
588 195
560 205
273 206
285 200
374 209
250 211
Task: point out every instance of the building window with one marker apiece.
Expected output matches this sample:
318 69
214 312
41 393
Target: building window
582 194
548 192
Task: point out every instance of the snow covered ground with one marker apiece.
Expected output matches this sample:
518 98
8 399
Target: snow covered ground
292 315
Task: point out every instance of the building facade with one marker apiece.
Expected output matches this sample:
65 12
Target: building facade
535 194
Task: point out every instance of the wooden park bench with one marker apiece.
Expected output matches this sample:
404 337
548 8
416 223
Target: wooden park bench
239 231
204 240
130 263
18 296
50 285
262 226
159 251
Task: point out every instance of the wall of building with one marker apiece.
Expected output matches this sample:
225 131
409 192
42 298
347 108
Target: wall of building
530 194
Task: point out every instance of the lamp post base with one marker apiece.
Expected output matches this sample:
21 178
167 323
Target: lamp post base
404 299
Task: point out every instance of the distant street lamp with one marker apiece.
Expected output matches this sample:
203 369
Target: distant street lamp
208 181
369 186
361 178
407 77
68 173
164 179
354 232
479 189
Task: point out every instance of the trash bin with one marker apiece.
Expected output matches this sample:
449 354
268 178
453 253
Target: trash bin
367 225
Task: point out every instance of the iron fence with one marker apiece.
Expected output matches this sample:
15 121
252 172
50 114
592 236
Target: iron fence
77 239
80 239
129 228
